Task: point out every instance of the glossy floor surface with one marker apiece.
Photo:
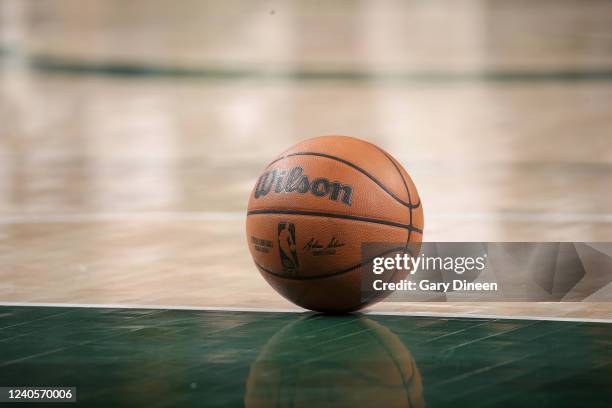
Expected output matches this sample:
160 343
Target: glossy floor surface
210 358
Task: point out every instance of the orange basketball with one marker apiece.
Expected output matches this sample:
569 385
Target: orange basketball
315 205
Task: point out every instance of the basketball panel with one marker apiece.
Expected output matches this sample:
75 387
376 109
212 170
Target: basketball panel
417 210
319 184
305 246
360 153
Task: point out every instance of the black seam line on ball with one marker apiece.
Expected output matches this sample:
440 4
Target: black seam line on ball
405 186
341 216
359 169
333 274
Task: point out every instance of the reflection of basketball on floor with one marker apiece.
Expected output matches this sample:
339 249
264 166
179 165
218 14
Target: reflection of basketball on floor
306 364
315 205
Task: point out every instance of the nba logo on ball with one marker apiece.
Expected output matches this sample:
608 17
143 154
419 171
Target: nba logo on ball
286 245
315 206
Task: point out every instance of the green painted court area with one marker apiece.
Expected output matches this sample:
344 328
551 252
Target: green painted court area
208 358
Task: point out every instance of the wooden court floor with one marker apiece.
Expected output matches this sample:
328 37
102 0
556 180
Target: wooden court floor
131 136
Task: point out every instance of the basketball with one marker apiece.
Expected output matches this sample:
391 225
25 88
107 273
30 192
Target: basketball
313 207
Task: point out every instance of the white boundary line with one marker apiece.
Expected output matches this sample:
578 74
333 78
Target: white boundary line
156 307
490 316
272 310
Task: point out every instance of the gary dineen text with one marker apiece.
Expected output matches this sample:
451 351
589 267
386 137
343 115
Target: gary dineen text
458 265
